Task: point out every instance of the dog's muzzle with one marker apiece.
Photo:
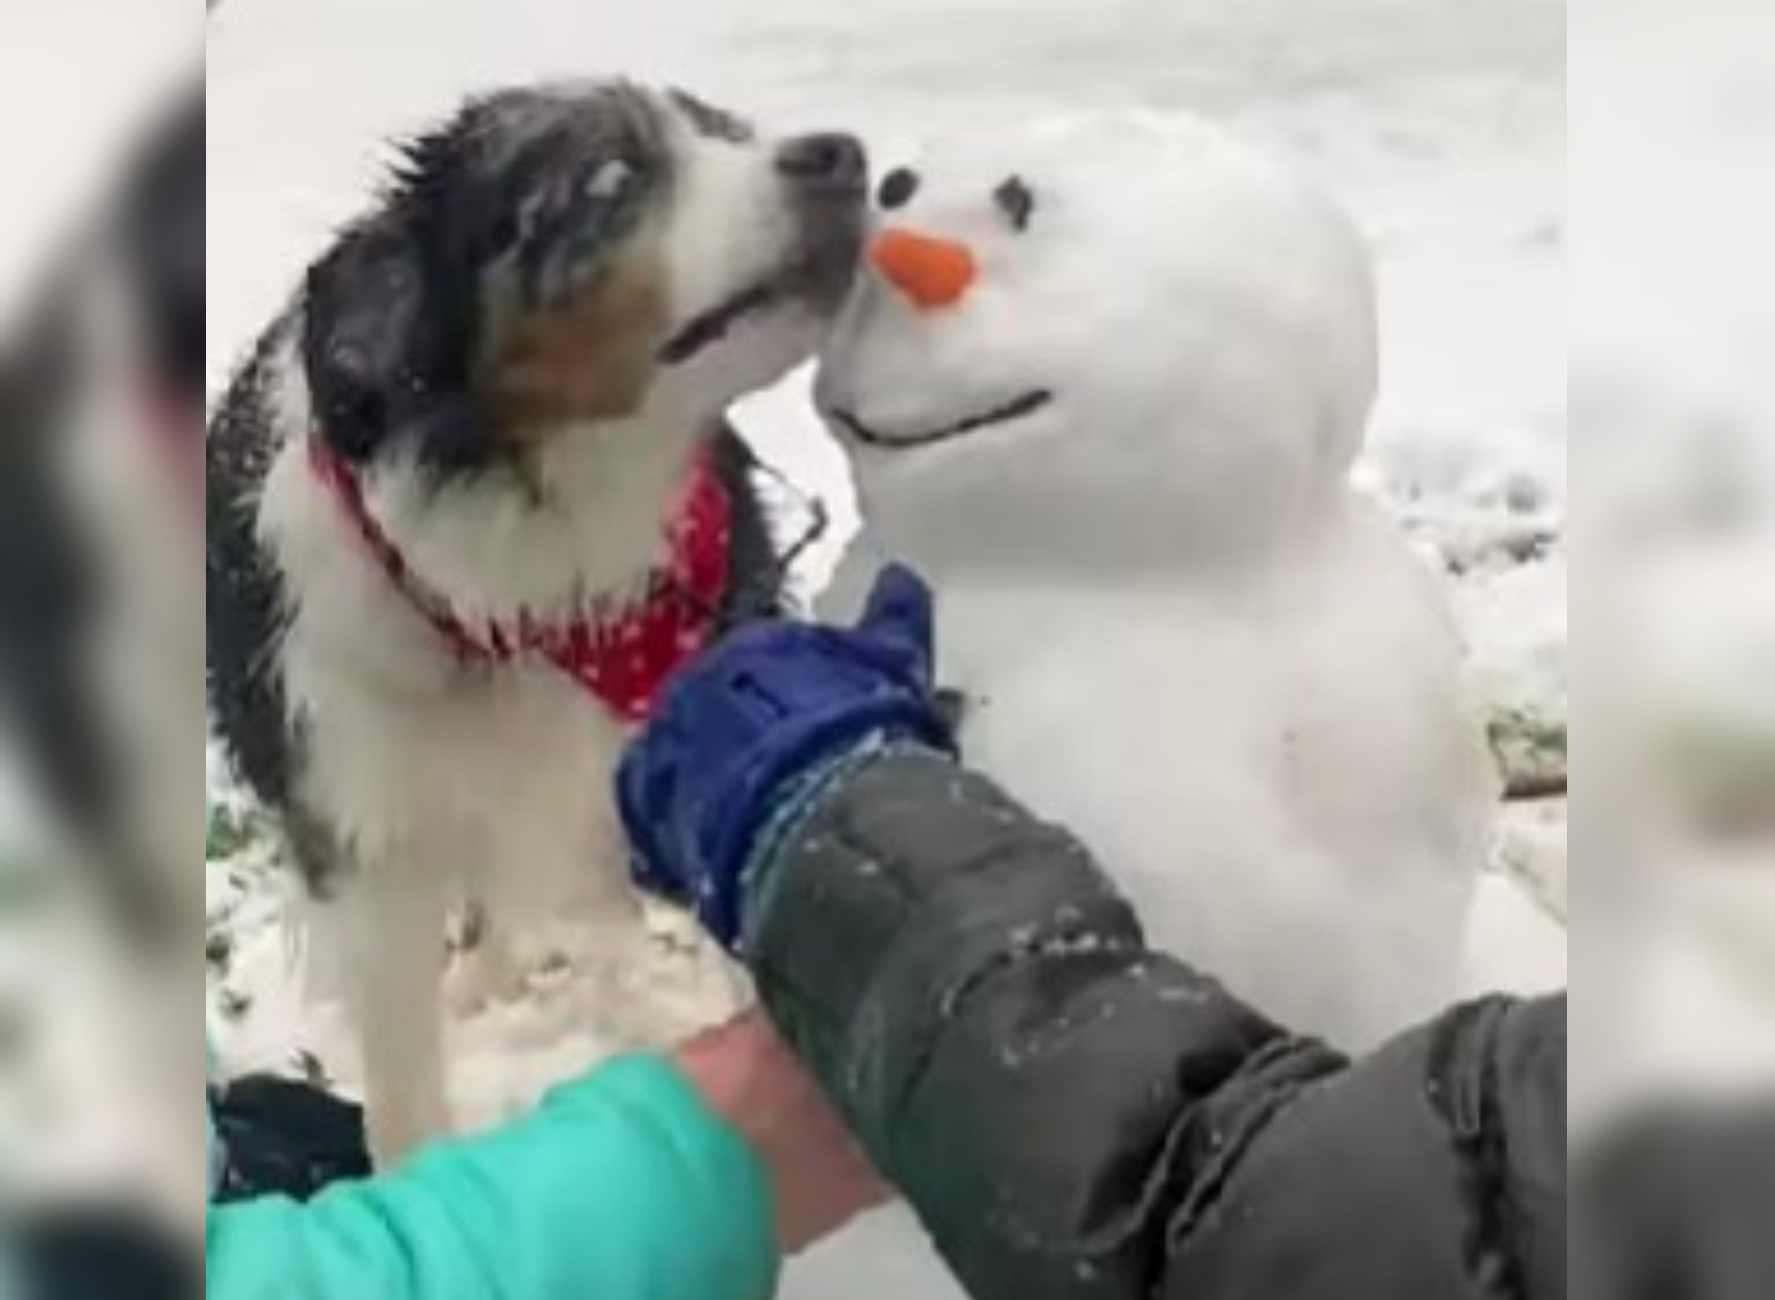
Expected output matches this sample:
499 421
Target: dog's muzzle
827 180
827 167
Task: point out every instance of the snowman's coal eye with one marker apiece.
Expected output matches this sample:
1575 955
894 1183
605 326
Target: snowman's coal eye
1017 201
898 188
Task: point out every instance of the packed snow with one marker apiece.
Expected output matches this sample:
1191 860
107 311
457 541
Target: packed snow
1154 572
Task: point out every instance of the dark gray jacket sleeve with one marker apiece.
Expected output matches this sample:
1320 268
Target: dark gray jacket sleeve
1680 1201
1077 1118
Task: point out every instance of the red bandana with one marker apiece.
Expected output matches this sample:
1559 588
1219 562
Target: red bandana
622 655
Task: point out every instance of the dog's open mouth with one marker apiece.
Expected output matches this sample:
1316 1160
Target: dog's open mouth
708 329
1020 409
816 278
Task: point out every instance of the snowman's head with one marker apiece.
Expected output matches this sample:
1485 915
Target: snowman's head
1130 321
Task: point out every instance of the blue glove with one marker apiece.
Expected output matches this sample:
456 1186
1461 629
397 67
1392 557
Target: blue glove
758 717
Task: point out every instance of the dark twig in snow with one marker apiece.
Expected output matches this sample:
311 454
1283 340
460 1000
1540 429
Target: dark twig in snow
1541 787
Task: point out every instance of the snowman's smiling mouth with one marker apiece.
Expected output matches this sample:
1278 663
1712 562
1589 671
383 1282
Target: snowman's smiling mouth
1011 412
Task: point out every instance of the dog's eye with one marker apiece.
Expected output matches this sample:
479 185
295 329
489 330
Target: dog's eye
531 217
609 181
898 188
1017 201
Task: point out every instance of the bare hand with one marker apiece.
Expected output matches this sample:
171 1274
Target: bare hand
750 1078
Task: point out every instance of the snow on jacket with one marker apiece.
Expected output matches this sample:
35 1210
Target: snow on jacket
1077 1118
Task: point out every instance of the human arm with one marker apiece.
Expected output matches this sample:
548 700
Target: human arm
1074 1116
588 1195
1071 1114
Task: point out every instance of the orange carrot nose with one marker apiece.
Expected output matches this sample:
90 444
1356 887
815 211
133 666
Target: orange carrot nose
933 273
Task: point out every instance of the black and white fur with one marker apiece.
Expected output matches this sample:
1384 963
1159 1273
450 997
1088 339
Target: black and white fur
520 350
101 693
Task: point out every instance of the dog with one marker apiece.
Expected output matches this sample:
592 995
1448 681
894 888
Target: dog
472 500
101 401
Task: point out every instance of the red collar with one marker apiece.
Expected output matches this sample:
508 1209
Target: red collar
623 654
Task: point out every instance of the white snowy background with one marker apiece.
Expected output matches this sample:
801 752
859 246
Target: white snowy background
1442 123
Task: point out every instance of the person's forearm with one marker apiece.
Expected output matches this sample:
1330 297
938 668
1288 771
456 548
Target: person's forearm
624 1186
747 1075
981 1003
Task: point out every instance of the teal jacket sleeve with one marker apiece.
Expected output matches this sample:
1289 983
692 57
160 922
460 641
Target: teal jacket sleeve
622 1186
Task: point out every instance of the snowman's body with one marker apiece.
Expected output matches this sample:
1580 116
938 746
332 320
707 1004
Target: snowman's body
1178 629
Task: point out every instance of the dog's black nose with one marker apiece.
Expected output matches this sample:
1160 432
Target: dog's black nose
825 162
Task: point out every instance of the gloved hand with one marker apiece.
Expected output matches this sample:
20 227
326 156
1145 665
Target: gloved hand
758 720
284 1138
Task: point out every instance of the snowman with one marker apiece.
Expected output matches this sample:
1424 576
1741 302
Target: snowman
1104 382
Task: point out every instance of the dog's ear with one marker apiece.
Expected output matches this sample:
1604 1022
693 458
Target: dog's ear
374 345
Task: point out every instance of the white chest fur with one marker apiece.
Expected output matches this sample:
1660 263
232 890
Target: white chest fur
494 780
443 784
